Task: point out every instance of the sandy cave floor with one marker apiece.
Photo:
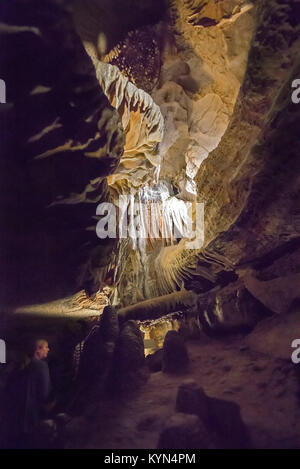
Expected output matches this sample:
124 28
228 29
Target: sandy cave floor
267 390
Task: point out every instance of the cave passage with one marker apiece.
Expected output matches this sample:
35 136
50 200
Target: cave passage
149 227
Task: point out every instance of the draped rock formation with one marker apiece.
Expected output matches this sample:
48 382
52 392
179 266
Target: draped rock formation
190 102
243 166
143 125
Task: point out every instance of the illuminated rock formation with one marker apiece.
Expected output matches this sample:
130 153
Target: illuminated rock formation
218 74
143 125
164 104
234 180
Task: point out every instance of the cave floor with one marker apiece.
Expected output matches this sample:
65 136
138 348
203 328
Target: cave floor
266 388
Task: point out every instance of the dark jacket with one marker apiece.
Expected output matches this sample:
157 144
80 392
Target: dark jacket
23 398
38 391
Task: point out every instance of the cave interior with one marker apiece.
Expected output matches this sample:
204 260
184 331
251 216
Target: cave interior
126 123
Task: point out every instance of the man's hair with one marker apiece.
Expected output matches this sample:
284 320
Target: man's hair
35 344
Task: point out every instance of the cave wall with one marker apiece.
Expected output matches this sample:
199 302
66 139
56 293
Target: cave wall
201 73
196 96
62 139
249 182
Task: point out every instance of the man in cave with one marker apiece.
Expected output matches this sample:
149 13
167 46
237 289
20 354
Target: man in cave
27 398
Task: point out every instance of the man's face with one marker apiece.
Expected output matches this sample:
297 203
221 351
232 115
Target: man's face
42 349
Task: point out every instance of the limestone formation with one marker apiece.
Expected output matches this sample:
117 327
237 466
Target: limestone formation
166 103
175 357
153 309
109 325
207 14
276 334
234 180
98 348
128 370
143 124
154 361
138 57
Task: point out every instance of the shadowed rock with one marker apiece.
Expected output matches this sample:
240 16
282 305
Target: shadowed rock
98 350
129 368
175 356
63 139
154 361
109 325
221 418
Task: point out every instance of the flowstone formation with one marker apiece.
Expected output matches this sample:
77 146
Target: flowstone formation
224 91
196 92
192 103
143 125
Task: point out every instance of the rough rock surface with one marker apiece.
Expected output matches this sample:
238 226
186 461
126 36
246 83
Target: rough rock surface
109 325
264 387
223 90
229 83
221 418
96 360
198 86
275 335
230 307
128 371
138 57
184 431
143 124
219 309
105 23
154 361
201 74
220 128
55 160
191 399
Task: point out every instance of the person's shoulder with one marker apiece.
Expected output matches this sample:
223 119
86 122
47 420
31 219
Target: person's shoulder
37 364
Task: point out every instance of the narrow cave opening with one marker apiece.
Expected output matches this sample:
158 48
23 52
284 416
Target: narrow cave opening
149 229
